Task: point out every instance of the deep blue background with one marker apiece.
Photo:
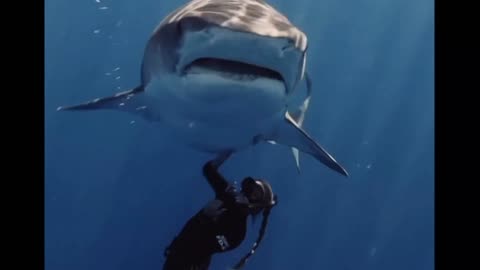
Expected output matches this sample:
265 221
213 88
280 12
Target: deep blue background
116 192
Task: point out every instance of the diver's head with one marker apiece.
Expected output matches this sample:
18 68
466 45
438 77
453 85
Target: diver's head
259 194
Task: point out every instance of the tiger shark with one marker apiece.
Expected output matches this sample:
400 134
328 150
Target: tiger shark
222 76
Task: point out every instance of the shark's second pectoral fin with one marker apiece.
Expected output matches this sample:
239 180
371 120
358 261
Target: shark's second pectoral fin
291 134
131 101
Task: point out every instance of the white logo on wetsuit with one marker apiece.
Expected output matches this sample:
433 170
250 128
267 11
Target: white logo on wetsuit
222 241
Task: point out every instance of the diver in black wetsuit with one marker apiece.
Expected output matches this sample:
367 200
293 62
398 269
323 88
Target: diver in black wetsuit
222 224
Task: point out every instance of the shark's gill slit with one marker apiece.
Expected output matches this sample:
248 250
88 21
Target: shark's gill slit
236 69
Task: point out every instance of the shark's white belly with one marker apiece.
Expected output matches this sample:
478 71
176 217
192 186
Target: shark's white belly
212 113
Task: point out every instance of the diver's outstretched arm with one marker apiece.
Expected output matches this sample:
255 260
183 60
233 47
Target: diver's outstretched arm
215 179
220 159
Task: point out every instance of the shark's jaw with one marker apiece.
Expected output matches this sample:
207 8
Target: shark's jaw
237 56
229 69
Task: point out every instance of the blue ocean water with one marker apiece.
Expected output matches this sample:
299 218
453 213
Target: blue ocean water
116 191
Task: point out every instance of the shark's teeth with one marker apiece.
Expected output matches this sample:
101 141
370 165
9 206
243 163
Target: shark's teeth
224 74
240 77
230 69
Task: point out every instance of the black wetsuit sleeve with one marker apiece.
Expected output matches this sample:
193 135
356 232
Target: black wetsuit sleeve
215 179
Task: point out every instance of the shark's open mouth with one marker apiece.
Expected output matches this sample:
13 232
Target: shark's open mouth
231 69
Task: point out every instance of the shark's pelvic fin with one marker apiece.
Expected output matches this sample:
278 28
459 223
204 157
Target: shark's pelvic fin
131 101
291 134
299 115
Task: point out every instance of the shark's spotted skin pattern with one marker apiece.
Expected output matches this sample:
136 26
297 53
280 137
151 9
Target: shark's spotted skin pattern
253 16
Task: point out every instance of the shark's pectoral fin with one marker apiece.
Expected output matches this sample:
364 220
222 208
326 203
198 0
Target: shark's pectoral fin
131 101
116 102
299 116
291 134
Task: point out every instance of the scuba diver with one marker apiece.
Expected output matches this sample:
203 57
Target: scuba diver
222 224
